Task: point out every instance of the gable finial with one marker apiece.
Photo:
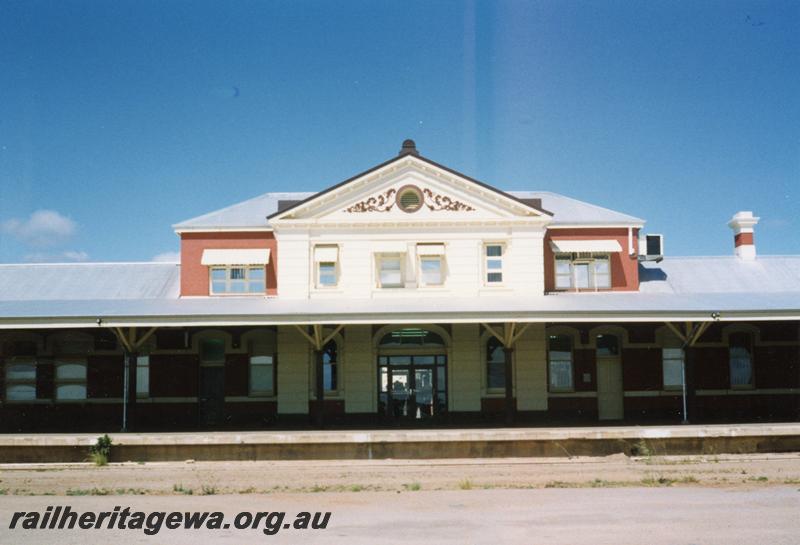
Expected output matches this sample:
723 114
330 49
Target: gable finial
409 148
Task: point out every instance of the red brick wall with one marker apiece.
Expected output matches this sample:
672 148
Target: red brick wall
237 376
194 275
45 380
711 367
584 362
495 405
104 376
624 269
776 366
174 375
641 369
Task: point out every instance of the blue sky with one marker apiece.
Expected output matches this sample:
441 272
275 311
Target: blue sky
118 119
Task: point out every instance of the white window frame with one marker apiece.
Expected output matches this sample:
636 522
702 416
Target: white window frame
437 258
228 281
486 258
261 344
381 258
12 382
487 360
60 362
550 361
318 266
751 349
252 364
675 357
143 376
591 260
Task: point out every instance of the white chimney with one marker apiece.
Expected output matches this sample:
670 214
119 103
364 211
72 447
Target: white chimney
742 224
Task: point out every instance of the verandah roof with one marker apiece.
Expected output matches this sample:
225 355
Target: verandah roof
619 307
134 294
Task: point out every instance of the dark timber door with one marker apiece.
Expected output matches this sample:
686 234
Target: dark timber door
212 395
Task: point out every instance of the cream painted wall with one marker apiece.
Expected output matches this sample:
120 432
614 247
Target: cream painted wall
531 369
360 382
523 262
294 357
465 368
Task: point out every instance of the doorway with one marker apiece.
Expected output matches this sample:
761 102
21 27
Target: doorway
412 388
610 401
211 387
212 396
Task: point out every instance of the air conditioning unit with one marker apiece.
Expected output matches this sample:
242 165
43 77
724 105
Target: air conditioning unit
651 248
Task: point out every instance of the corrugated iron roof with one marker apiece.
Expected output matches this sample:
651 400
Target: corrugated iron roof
721 274
569 211
254 212
142 293
87 281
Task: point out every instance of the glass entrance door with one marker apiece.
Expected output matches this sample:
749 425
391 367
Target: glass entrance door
412 388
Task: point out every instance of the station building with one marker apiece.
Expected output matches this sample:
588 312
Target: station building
408 295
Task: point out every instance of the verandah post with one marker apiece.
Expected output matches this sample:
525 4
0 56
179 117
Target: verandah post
129 389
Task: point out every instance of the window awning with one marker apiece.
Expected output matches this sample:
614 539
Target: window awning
390 247
598 246
326 254
430 249
257 256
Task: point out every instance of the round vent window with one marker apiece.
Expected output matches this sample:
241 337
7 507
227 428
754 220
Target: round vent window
409 198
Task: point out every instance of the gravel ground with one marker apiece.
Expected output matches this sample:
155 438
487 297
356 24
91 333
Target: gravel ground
199 478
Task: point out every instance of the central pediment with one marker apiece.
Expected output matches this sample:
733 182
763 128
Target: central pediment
410 189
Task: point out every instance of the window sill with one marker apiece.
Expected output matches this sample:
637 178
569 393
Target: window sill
573 394
495 392
494 289
259 294
332 289
250 398
581 290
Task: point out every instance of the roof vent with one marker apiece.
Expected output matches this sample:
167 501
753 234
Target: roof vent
285 204
409 148
535 203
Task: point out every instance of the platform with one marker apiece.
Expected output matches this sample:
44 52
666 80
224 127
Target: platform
439 443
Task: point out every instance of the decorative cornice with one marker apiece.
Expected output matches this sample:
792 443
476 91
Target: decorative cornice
384 203
381 203
443 202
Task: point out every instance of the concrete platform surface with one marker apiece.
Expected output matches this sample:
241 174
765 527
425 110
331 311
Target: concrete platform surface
409 436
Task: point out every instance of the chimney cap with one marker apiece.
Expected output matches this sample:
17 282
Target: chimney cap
743 219
409 148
